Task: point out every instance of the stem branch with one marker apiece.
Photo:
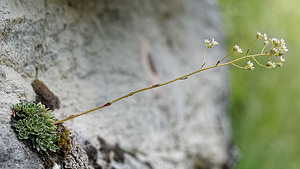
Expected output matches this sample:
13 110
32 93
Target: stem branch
156 85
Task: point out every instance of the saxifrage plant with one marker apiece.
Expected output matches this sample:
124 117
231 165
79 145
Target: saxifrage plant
36 123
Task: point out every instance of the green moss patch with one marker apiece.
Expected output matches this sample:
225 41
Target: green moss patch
64 142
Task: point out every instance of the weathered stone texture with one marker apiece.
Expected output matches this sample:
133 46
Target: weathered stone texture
90 52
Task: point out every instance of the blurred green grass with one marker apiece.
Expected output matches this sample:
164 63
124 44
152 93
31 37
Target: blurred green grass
265 104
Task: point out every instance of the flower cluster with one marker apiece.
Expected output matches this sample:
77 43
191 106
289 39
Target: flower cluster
210 44
278 48
35 122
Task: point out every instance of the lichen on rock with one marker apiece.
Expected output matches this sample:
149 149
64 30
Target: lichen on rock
76 157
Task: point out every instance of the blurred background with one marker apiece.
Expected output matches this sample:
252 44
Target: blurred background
264 108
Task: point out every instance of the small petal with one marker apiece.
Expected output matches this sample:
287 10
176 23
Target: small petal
206 41
213 42
274 51
282 42
284 49
264 36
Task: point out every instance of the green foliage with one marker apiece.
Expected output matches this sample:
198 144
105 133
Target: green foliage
35 122
265 105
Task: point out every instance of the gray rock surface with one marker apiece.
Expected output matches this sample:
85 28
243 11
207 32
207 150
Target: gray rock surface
13 153
91 52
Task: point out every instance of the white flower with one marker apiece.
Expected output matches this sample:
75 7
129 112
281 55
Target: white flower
266 43
250 65
271 64
281 50
237 49
258 35
281 59
264 36
211 44
275 41
206 41
284 49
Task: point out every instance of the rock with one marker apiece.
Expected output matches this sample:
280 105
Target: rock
77 157
13 153
91 52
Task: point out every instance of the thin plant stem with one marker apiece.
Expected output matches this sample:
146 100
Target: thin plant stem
203 60
241 67
251 47
269 58
224 58
256 61
262 51
155 86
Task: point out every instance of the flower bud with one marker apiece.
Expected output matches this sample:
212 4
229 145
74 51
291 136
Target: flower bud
266 43
279 64
258 35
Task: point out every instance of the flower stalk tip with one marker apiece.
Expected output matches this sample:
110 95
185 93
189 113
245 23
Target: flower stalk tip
237 49
210 44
